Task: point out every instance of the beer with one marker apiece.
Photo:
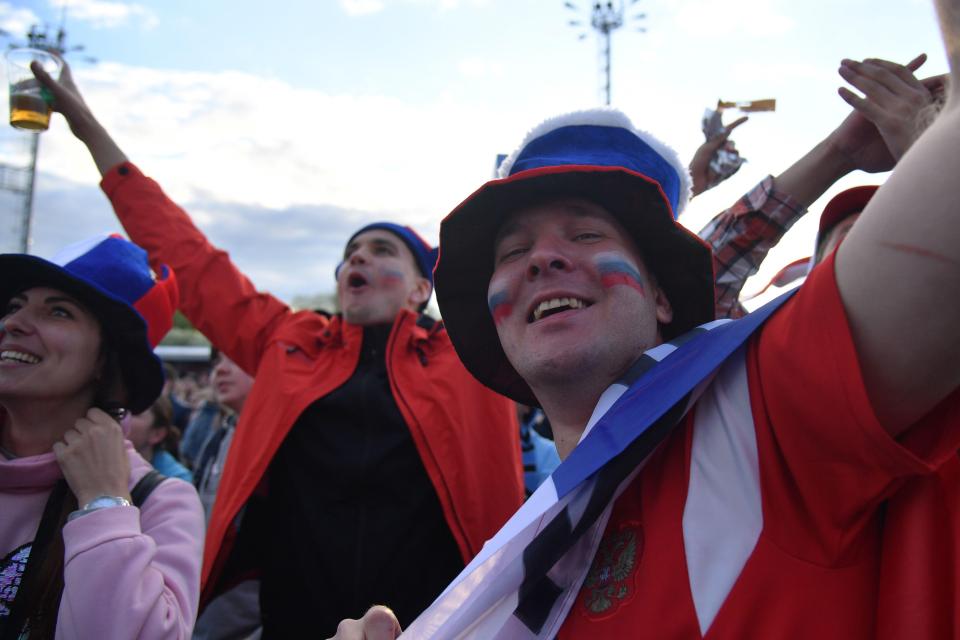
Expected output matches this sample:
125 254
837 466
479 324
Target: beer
28 110
29 100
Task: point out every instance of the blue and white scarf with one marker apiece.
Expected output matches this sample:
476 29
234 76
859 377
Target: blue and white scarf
525 579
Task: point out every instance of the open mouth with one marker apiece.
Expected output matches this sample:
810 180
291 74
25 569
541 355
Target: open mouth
18 356
355 281
554 306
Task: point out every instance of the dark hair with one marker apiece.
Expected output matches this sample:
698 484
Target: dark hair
41 597
162 412
170 372
111 393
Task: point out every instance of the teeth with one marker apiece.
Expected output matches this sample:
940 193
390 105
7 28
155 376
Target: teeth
557 303
19 356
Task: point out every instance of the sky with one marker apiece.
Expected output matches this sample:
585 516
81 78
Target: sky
282 127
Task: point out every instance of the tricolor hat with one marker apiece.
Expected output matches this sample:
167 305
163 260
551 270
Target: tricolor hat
597 155
111 276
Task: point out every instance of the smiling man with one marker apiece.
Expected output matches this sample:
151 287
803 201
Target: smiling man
365 452
725 479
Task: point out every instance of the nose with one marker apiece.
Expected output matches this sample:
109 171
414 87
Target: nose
359 256
547 256
16 323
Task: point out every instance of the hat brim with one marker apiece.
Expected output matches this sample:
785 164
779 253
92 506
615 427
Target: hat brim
680 261
845 204
123 327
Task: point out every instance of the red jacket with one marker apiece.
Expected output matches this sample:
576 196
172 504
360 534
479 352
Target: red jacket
467 436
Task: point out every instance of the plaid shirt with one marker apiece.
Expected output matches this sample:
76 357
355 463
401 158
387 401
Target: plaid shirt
741 237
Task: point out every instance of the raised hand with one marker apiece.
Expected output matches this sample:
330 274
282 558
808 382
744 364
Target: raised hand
66 98
894 99
859 141
93 458
703 177
84 125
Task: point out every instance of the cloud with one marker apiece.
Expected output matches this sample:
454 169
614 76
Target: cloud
755 18
287 251
362 7
105 14
477 67
16 21
244 138
368 7
276 174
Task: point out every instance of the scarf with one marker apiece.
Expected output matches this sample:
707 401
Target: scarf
525 579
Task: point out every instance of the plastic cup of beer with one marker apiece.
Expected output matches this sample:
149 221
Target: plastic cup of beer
30 100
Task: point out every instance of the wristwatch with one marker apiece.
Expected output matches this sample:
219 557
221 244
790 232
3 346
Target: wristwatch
100 502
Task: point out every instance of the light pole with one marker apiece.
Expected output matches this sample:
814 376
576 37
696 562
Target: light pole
605 18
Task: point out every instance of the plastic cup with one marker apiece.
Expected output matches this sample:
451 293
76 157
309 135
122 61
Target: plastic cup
29 100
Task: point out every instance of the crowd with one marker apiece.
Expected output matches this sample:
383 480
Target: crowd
596 440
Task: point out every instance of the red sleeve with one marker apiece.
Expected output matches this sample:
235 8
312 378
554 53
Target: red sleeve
219 300
825 460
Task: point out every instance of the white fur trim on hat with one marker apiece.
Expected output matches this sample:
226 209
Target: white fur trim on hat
605 117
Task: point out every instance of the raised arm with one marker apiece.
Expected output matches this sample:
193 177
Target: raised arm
871 138
898 271
217 298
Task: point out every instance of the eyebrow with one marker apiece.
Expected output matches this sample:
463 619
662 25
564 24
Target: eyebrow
380 242
48 300
512 226
505 230
56 299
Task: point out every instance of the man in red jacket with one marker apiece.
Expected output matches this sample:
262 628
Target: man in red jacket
365 453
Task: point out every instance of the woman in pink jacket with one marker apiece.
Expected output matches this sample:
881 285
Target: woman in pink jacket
78 557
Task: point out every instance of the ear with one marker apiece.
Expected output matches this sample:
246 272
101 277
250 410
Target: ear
664 308
420 293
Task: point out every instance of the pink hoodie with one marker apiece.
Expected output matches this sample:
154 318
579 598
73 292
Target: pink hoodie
128 573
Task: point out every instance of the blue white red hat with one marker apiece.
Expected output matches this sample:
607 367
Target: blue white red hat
597 155
112 277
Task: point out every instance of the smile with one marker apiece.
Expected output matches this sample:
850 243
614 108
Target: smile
19 356
556 305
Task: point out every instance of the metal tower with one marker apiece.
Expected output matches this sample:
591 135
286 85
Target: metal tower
605 18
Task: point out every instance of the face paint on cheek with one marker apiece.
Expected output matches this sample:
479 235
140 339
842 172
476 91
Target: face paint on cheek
390 277
616 270
500 306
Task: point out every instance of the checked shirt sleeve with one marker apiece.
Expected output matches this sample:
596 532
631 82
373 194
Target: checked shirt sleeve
741 237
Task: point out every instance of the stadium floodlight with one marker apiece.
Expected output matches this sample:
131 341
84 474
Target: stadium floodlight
605 18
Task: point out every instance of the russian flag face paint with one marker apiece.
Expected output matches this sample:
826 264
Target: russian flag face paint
391 277
499 299
500 306
616 269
